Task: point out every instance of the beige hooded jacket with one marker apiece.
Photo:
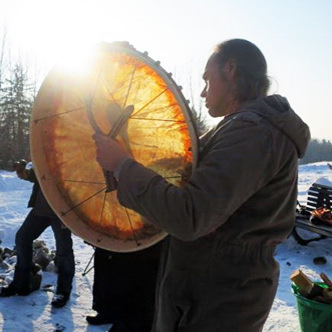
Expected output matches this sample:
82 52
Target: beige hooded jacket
227 220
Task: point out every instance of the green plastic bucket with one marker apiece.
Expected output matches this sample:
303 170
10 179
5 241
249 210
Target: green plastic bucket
313 316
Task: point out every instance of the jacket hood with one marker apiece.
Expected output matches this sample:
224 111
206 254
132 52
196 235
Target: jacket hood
277 111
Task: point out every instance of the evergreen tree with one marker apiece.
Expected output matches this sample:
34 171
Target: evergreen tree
15 109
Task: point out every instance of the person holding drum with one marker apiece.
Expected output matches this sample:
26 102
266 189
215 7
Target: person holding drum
236 207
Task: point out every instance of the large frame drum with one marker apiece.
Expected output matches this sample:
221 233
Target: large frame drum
125 94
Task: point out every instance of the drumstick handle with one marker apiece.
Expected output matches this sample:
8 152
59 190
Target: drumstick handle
111 182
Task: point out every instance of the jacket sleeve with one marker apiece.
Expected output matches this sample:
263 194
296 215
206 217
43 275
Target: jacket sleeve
237 164
31 176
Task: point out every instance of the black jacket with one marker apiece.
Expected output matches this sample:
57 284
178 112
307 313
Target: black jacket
37 200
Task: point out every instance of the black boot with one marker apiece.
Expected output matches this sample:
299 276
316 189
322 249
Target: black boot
11 290
99 319
59 300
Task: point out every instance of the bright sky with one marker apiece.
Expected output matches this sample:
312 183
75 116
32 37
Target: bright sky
294 35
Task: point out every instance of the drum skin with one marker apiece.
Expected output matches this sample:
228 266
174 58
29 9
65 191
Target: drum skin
71 106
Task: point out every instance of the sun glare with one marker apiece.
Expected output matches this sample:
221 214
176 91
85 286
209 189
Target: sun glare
75 61
58 33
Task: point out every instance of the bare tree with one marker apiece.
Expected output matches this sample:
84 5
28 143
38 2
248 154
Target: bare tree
3 39
197 109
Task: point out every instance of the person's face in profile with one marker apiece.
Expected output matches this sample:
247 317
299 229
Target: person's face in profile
218 87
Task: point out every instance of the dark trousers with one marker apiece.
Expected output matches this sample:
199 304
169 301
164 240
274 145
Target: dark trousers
32 227
124 287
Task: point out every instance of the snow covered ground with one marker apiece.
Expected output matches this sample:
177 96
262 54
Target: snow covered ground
34 313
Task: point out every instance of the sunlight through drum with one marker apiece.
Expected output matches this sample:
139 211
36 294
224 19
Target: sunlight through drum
125 94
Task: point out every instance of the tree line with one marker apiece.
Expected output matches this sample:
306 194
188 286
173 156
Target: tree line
318 150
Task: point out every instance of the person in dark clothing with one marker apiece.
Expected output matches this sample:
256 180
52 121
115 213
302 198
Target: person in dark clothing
39 218
220 273
124 288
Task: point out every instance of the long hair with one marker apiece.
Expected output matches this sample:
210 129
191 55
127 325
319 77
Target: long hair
251 80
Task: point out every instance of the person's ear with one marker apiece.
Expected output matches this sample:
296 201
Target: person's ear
230 69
